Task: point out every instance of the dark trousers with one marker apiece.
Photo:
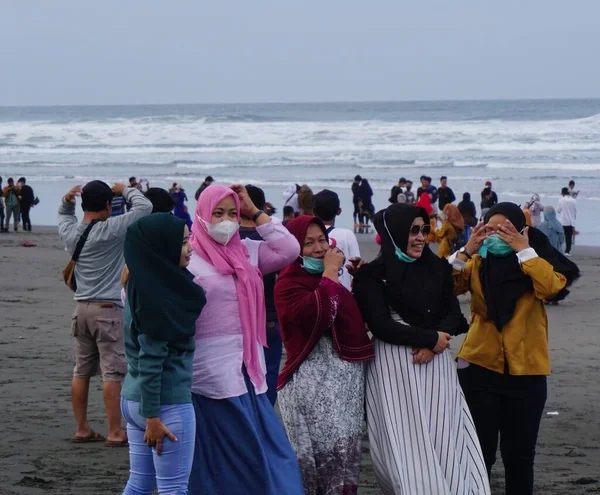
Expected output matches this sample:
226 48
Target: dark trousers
568 237
512 407
273 358
25 216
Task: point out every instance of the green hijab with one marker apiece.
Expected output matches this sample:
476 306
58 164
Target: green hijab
165 301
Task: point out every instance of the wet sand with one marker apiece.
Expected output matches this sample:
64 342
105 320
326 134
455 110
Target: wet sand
36 362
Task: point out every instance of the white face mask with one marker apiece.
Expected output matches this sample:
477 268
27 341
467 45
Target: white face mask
221 232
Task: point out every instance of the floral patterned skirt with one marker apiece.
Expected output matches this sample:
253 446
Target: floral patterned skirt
322 408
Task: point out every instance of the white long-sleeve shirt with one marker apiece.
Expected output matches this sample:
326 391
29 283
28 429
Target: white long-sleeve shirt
567 211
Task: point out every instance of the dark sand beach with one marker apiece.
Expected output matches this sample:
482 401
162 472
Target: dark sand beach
36 362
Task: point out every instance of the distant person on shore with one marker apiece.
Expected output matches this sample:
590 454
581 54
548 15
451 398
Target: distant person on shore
468 210
11 199
327 208
97 323
305 200
179 198
274 348
410 195
397 189
509 270
207 182
553 229
2 214
567 215
365 202
489 198
288 214
535 208
451 235
163 306
572 190
27 201
422 438
290 197
355 201
445 194
429 188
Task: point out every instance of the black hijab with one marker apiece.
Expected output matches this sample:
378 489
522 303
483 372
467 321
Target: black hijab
364 191
414 290
165 301
502 279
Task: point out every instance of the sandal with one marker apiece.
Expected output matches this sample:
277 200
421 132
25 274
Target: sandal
121 443
92 437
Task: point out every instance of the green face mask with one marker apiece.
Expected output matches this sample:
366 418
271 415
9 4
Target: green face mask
493 244
401 255
314 266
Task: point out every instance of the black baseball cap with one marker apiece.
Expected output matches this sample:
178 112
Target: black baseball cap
95 195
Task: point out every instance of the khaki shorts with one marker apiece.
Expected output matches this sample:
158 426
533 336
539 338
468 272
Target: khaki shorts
98 341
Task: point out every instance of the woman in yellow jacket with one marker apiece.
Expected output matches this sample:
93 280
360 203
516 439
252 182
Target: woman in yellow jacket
453 225
503 363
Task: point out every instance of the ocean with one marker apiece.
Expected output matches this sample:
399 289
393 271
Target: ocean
522 146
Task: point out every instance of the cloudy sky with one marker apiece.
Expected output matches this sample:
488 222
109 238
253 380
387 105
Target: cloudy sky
199 51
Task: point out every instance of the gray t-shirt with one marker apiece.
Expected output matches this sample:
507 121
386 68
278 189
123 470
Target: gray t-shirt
98 270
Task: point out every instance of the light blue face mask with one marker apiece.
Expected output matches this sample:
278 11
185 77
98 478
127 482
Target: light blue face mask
401 255
314 266
493 244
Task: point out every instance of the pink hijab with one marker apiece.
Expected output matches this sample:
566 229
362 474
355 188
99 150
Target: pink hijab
232 259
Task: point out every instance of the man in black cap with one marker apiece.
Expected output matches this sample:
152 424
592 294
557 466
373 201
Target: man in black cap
97 323
207 182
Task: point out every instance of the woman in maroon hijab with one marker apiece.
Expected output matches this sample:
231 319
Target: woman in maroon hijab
321 394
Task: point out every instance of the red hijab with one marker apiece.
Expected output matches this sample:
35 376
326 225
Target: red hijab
304 306
424 201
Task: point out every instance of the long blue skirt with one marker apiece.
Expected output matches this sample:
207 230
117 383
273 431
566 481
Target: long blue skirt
241 448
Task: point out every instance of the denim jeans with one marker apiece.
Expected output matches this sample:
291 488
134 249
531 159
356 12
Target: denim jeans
273 359
170 471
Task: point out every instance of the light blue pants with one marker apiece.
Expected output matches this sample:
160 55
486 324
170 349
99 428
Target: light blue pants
170 471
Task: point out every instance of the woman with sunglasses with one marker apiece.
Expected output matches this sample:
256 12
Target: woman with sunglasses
510 270
420 430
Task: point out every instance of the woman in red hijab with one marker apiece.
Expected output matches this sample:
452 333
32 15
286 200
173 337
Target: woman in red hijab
321 396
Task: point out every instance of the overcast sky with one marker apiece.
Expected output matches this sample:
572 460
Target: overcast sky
203 51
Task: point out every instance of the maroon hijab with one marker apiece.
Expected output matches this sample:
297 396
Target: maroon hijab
305 304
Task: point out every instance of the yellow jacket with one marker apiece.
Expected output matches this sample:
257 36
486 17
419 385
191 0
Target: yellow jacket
446 237
523 343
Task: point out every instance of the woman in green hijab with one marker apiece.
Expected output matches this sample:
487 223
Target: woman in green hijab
164 303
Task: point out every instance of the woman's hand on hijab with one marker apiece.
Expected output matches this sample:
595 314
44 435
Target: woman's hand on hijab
478 235
355 264
247 207
155 433
516 240
422 356
443 342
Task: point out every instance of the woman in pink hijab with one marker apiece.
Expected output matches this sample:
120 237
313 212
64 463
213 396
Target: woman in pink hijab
241 446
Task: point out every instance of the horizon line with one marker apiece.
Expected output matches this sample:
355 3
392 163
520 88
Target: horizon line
306 102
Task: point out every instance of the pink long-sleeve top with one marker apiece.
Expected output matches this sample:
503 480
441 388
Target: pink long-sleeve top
218 358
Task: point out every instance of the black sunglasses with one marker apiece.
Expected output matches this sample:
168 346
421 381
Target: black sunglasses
424 229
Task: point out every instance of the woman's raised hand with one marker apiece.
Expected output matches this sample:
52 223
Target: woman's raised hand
247 207
333 260
516 240
478 235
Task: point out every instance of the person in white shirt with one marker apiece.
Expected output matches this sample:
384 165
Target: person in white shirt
326 206
567 213
290 197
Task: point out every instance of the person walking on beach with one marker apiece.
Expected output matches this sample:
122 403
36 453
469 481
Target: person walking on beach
535 210
567 215
12 201
397 189
445 194
274 348
355 201
410 195
429 188
509 270
573 193
489 197
422 437
207 182
553 229
163 306
365 203
26 202
327 208
97 323
241 446
2 215
469 212
179 198
321 396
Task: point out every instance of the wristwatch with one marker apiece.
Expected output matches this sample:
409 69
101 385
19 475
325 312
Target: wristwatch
463 250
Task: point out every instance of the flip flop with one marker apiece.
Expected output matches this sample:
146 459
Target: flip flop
92 437
122 443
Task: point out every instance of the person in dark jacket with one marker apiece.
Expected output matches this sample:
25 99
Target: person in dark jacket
27 200
365 202
445 194
207 182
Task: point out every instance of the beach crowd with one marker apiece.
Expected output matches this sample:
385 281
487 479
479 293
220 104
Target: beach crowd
186 317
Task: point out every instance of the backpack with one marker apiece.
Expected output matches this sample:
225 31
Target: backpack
460 241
